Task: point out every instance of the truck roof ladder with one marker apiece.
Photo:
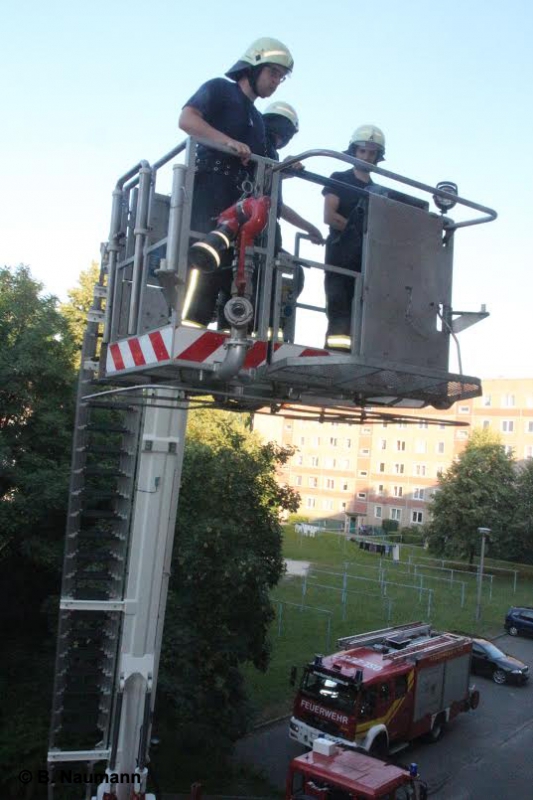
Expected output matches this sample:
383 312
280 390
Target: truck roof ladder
409 630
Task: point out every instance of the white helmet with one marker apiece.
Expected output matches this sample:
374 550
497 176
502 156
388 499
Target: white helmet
281 109
366 135
262 51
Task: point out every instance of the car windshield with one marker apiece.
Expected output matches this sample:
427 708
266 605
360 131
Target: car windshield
491 650
328 690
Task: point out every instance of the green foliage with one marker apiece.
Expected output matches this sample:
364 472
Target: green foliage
227 558
476 491
36 414
522 529
36 406
80 299
390 525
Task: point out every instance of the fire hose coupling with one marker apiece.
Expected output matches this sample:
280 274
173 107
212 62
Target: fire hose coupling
247 216
239 312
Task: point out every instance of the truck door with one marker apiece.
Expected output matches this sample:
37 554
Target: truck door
401 708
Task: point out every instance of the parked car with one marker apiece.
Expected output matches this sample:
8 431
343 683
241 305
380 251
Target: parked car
490 661
519 620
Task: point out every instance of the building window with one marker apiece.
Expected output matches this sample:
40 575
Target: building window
299 460
310 502
418 493
302 439
442 426
384 424
396 513
330 483
420 446
400 444
439 470
529 426
464 409
399 469
487 400
509 450
417 517
312 483
345 463
402 425
507 425
382 444
298 480
333 441
288 426
420 469
315 441
508 401
348 443
327 505
381 488
365 451
397 491
361 495
314 461
363 473
440 448
344 485
381 467
528 451
330 463
366 430
486 424
378 512
423 424
343 506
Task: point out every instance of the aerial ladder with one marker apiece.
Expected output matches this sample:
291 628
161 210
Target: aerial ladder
141 371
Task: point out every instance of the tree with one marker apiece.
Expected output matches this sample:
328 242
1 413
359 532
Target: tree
522 530
476 491
36 417
80 299
227 557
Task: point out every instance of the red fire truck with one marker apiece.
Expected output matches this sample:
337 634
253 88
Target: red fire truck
331 772
385 688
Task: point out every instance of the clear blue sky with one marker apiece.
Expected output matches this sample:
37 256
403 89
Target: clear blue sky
89 88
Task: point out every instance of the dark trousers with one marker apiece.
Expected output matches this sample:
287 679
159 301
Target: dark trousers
213 193
339 291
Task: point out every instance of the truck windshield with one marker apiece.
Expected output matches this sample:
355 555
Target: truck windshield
327 689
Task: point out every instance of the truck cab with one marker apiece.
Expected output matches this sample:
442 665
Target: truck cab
331 772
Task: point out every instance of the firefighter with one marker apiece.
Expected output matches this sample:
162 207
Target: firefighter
344 212
223 112
281 124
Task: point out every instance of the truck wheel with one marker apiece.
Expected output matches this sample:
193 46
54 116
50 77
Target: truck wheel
379 748
513 631
499 676
437 729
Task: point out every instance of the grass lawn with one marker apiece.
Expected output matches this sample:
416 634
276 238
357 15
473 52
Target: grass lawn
348 590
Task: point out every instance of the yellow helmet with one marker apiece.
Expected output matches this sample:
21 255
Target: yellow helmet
263 51
281 109
366 135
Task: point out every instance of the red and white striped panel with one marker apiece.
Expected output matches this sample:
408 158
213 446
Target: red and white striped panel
139 351
196 345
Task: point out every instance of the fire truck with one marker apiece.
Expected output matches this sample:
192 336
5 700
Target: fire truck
385 688
141 367
333 772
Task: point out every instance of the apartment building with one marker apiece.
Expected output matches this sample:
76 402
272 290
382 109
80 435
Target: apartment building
389 470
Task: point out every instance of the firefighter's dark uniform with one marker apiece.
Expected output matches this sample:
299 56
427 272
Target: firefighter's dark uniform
219 178
344 249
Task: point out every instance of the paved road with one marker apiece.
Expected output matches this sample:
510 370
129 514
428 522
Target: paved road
486 754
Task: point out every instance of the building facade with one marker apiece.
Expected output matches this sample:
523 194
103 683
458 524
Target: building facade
390 470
